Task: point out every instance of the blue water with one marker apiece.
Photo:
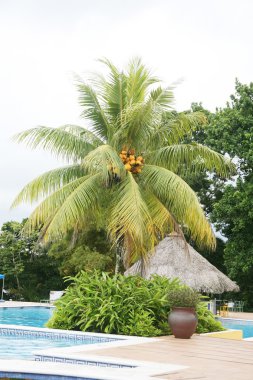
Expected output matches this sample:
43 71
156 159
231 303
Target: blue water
17 347
27 316
245 326
21 347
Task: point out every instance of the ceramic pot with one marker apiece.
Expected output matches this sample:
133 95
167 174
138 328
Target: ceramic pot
183 322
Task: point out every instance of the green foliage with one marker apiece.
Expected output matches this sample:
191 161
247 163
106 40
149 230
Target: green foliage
206 321
231 128
12 248
229 205
183 297
120 305
233 215
89 251
30 273
232 212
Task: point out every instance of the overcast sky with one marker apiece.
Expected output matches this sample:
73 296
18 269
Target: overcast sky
44 42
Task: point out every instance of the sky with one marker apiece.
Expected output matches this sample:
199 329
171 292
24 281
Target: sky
202 44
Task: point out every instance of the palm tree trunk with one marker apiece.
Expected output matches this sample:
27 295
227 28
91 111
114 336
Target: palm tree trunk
16 272
117 259
142 267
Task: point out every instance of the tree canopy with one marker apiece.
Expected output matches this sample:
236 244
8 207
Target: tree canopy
134 151
229 203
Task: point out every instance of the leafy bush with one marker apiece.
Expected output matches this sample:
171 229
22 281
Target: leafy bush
206 321
119 305
183 297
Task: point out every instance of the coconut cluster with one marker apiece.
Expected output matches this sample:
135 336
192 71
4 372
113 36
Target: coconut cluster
132 162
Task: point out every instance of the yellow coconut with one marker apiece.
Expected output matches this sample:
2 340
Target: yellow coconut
128 167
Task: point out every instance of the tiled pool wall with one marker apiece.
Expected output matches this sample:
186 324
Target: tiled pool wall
32 376
89 362
55 335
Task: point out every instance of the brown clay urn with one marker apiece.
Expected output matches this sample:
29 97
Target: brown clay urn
183 322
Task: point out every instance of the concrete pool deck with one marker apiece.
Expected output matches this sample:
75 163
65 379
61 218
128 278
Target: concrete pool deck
239 315
22 304
206 358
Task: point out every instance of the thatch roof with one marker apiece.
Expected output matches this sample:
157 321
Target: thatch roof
173 257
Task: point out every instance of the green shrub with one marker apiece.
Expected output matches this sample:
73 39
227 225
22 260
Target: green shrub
121 305
183 297
118 305
206 321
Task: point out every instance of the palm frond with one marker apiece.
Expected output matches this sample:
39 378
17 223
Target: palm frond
191 156
139 79
47 208
93 110
163 97
84 134
80 203
174 127
130 220
140 120
181 201
105 160
62 210
48 182
113 90
163 221
58 141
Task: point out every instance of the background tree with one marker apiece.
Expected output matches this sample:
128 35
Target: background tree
33 269
230 130
30 273
131 122
91 250
11 250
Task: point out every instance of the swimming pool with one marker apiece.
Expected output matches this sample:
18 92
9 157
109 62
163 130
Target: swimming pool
239 324
35 316
22 347
20 343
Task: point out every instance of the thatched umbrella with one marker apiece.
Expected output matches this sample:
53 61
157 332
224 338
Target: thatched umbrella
173 257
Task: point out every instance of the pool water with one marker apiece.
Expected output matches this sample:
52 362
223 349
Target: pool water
20 343
245 326
16 347
25 316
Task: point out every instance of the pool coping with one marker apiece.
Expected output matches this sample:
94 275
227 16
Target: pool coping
250 339
236 319
60 369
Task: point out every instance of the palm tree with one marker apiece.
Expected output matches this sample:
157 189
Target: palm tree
133 152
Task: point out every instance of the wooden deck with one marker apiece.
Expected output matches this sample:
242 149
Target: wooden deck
207 358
